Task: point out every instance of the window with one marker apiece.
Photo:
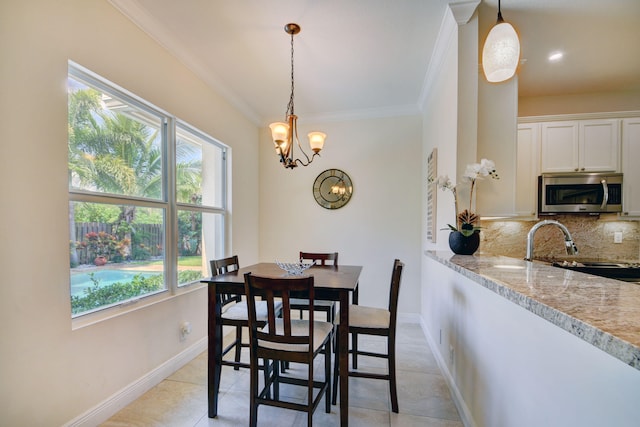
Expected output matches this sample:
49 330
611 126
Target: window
147 197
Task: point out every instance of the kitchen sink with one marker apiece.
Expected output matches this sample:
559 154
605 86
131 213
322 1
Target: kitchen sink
611 270
602 264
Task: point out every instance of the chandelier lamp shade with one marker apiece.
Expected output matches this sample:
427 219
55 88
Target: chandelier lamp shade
501 51
285 134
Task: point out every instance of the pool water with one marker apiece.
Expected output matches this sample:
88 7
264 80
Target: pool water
82 281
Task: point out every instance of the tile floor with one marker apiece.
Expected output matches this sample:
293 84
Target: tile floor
423 395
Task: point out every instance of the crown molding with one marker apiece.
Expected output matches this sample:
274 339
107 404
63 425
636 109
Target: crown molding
150 26
580 116
463 10
132 10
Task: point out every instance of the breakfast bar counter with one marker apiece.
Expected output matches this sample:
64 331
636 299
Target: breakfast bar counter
600 311
528 344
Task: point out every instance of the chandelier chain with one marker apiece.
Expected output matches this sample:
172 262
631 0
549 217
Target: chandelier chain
290 105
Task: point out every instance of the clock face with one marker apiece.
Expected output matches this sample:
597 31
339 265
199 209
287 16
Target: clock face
332 189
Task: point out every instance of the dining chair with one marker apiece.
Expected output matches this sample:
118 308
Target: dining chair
328 307
234 312
286 340
365 320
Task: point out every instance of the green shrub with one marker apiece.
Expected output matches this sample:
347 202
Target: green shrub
141 253
98 296
187 276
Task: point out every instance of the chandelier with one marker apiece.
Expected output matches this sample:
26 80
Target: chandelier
501 51
284 133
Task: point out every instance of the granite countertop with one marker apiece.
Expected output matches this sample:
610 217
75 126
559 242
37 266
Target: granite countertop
602 312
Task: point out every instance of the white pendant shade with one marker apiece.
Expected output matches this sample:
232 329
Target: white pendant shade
501 53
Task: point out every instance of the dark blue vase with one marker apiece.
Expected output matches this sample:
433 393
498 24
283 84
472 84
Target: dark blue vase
463 245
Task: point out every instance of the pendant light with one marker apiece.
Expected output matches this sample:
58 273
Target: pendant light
501 51
285 133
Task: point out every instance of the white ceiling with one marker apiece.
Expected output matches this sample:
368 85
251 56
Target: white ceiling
357 58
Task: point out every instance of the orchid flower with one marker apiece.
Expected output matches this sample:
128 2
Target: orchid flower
466 220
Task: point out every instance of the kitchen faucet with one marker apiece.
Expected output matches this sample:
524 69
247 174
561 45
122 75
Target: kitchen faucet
568 241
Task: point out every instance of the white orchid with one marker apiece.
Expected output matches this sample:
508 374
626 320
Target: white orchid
480 170
466 220
444 182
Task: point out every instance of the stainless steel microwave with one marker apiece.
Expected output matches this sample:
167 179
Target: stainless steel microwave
580 193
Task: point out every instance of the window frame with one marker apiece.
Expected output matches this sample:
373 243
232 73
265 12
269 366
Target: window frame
167 202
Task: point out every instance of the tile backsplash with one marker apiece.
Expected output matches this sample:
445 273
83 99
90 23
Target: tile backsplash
592 235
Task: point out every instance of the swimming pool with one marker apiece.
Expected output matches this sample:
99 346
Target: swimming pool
82 281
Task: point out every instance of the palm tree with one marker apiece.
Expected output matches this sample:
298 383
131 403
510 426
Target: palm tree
82 104
119 154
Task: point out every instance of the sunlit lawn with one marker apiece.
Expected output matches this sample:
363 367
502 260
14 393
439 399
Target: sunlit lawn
190 261
183 261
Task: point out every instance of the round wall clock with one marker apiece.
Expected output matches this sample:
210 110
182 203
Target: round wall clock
332 189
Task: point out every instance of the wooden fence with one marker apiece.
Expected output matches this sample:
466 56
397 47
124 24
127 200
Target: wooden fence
147 237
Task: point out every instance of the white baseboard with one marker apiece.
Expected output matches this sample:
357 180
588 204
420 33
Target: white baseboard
104 410
458 400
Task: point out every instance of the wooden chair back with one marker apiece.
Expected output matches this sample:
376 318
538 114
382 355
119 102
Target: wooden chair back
394 292
272 290
320 258
222 266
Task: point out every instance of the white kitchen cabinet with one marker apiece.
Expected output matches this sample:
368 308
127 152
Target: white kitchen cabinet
630 168
559 149
527 169
580 146
599 145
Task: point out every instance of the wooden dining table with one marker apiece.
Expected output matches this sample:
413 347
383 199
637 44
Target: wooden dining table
333 283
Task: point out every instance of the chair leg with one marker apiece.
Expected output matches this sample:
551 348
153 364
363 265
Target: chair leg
310 394
253 404
327 375
354 350
266 372
253 414
336 368
391 349
276 379
238 346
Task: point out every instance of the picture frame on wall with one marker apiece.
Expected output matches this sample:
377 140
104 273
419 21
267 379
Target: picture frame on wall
432 165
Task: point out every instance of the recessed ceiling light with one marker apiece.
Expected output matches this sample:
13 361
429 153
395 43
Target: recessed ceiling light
556 56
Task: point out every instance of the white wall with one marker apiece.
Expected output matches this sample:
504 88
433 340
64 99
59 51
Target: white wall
497 133
440 129
49 372
382 220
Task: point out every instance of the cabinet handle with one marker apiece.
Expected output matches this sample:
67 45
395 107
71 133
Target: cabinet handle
582 169
576 169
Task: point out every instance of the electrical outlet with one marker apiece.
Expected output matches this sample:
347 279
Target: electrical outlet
451 355
440 336
617 237
185 329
